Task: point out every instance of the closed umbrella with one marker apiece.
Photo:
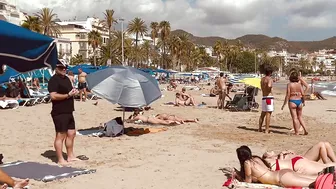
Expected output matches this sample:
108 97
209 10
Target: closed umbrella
24 50
126 86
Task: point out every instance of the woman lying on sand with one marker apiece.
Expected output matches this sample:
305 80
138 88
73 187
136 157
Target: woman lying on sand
175 118
254 168
320 151
149 119
297 163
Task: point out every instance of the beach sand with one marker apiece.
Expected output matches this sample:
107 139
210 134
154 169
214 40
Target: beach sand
183 157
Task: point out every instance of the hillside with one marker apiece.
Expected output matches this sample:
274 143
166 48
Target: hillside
266 42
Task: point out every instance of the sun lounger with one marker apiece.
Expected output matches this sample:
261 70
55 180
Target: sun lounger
41 172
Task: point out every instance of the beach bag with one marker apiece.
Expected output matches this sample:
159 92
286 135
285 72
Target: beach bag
114 128
325 181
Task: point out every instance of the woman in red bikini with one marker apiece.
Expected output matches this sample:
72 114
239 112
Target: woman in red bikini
298 164
320 151
255 169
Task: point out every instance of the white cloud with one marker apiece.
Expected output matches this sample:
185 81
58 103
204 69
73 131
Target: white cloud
226 18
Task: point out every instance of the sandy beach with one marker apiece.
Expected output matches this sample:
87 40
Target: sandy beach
185 156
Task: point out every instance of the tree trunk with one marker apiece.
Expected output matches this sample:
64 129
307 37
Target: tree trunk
94 57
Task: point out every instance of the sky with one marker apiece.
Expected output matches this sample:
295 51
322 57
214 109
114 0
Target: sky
299 20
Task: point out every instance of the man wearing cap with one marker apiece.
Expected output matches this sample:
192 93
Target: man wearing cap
61 93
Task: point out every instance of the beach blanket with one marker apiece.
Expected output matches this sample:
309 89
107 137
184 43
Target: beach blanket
41 172
9 104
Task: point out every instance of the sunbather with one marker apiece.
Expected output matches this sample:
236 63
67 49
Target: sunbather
179 101
214 91
320 151
254 168
8 181
296 163
149 119
175 118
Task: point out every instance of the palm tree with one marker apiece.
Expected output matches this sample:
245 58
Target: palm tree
77 59
32 23
117 44
322 67
155 31
137 27
164 34
47 22
107 23
218 49
146 48
95 40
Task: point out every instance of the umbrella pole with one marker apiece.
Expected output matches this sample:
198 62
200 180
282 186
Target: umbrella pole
123 116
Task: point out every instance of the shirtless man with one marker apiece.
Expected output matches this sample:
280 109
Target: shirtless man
186 96
82 84
221 84
179 101
267 102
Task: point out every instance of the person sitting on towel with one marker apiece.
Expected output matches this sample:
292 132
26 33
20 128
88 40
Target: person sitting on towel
8 181
137 117
214 91
179 101
175 118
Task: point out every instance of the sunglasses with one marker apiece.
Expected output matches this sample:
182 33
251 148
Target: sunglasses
61 67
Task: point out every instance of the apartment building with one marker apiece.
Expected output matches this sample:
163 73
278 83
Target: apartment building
11 13
77 33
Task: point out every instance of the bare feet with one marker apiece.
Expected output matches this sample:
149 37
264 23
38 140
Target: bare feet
21 184
63 163
196 120
260 129
267 131
4 186
73 159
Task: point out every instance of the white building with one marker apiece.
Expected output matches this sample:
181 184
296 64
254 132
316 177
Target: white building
64 48
10 13
326 57
77 32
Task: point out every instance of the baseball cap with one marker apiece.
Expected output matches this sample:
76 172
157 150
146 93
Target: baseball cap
61 63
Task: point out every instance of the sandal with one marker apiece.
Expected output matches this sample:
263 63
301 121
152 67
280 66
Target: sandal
82 157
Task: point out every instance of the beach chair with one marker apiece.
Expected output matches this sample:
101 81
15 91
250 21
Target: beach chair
234 101
241 105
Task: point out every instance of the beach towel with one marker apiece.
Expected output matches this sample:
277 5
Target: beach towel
41 172
236 184
9 104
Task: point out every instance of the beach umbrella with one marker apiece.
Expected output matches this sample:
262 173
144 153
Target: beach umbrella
123 85
24 50
254 82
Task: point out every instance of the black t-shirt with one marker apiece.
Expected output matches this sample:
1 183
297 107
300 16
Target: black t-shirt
61 85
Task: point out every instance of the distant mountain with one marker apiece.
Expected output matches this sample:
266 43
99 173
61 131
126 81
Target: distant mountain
266 42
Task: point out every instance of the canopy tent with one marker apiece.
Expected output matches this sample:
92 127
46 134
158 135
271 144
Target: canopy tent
24 50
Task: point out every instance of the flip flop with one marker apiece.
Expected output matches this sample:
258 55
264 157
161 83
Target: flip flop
82 157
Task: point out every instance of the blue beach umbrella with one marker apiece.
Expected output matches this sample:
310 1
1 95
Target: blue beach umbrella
24 50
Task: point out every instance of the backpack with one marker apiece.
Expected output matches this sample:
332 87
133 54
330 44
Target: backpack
114 128
325 181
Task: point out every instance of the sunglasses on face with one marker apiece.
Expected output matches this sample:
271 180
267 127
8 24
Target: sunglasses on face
61 67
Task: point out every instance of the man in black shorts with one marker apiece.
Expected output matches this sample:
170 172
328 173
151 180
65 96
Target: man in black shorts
61 93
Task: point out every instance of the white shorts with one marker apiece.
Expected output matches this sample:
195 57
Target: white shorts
267 104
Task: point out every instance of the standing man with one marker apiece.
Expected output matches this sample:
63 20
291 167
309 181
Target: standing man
82 84
267 102
221 84
61 93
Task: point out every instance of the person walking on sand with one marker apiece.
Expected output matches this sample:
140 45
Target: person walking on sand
61 93
82 84
221 84
293 97
267 102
